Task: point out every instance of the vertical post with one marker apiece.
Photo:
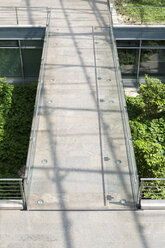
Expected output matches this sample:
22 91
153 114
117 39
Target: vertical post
136 185
22 193
21 59
139 57
140 191
47 10
142 14
16 13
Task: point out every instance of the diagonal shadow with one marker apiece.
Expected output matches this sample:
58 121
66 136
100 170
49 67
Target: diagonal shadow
65 219
58 179
135 216
30 17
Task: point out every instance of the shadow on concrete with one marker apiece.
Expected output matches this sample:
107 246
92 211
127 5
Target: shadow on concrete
29 11
57 177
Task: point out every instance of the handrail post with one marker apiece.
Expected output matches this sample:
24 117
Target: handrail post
22 194
142 15
140 191
16 12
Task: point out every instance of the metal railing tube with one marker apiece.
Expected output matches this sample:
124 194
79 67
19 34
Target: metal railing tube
12 189
125 120
152 189
35 117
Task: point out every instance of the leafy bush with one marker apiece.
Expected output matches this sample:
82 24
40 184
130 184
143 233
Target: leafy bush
16 112
147 122
153 96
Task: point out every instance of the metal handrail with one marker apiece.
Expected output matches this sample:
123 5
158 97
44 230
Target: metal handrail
16 19
136 7
34 7
153 179
152 188
9 182
137 15
32 144
12 189
125 120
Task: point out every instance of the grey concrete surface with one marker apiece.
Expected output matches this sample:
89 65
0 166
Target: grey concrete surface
76 131
11 204
64 130
82 229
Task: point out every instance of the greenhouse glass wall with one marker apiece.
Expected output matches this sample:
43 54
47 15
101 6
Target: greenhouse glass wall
140 57
141 51
20 59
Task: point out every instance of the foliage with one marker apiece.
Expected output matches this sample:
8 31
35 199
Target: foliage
139 3
16 111
126 58
143 14
148 131
153 96
152 3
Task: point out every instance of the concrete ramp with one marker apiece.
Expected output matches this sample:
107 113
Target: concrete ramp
80 160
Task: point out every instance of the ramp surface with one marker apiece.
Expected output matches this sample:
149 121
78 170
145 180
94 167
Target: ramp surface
63 130
80 136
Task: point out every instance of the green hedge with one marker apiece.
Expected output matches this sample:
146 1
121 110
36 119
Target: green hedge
16 112
147 121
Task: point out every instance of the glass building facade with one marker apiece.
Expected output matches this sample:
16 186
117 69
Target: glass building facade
20 59
140 57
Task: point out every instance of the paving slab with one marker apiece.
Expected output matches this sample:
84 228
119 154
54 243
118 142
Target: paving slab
79 229
80 133
72 137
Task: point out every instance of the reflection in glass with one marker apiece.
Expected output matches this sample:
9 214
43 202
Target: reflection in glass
29 43
10 65
31 62
128 59
152 62
8 43
127 43
154 43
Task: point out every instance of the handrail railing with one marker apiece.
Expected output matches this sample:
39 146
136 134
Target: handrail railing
31 151
152 188
12 189
126 127
23 184
139 15
23 15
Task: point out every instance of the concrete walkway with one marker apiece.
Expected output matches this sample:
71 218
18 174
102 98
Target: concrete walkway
80 131
82 229
81 138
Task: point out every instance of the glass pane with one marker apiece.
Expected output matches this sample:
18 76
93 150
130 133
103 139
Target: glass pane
36 43
10 65
128 59
127 43
31 61
153 62
8 43
153 43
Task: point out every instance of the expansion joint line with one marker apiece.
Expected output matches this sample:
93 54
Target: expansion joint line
99 118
